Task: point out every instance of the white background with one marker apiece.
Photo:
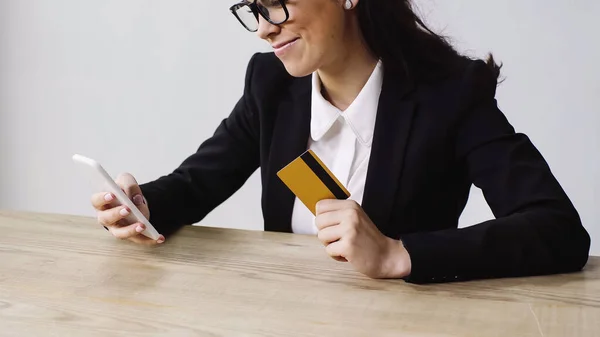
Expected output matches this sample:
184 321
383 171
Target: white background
138 85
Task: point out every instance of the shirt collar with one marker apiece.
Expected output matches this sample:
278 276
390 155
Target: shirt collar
360 115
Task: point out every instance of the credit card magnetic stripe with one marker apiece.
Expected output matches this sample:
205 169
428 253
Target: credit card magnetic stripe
319 169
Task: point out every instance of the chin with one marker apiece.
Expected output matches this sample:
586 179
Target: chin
297 69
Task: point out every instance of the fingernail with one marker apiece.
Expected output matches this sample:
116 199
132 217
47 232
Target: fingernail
108 197
138 200
124 211
139 229
161 239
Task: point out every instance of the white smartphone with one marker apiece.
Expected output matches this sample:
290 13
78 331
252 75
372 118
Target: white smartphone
103 180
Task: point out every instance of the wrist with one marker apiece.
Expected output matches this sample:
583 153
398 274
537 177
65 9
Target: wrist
398 264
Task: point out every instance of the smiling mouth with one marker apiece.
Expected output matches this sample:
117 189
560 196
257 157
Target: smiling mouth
282 46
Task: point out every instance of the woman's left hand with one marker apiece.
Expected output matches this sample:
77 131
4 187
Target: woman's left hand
349 235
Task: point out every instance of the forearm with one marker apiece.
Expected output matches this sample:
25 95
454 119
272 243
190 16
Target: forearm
535 242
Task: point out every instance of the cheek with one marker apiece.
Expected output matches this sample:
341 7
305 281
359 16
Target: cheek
319 39
318 24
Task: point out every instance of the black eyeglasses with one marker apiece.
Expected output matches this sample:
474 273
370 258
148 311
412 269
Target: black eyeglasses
247 11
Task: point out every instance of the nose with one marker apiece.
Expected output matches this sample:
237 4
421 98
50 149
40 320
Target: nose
266 29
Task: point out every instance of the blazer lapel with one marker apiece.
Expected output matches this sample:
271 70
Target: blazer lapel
392 130
290 139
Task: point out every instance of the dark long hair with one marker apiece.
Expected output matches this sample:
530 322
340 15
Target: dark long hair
396 35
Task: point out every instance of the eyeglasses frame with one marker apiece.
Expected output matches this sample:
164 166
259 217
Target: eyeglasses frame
257 10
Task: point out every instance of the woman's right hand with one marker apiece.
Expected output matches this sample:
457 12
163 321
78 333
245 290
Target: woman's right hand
113 217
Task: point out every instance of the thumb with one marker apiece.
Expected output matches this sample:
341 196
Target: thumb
130 186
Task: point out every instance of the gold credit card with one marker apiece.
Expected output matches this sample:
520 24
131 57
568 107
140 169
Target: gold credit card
311 181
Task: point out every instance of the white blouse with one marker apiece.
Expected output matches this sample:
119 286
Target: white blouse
342 139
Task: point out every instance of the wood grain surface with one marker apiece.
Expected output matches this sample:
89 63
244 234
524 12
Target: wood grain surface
66 276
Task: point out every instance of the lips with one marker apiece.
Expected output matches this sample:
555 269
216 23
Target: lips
282 48
283 44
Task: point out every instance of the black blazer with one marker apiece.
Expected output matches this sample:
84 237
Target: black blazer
431 142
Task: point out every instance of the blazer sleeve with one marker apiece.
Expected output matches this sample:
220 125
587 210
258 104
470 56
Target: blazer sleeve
536 229
219 167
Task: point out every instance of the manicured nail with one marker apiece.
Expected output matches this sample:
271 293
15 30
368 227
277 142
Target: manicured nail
138 199
108 197
124 211
139 229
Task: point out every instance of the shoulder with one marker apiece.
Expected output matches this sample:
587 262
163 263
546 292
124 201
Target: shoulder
478 80
465 84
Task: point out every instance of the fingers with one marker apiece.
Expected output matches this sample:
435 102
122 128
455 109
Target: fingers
110 217
128 183
331 205
330 234
133 233
331 238
333 218
329 219
132 189
336 250
101 200
143 240
126 232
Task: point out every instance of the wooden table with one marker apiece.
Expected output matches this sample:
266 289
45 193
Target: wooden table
66 276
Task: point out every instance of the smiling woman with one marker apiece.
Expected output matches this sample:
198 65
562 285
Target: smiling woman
403 121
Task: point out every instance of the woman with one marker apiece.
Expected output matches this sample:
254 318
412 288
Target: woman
404 121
